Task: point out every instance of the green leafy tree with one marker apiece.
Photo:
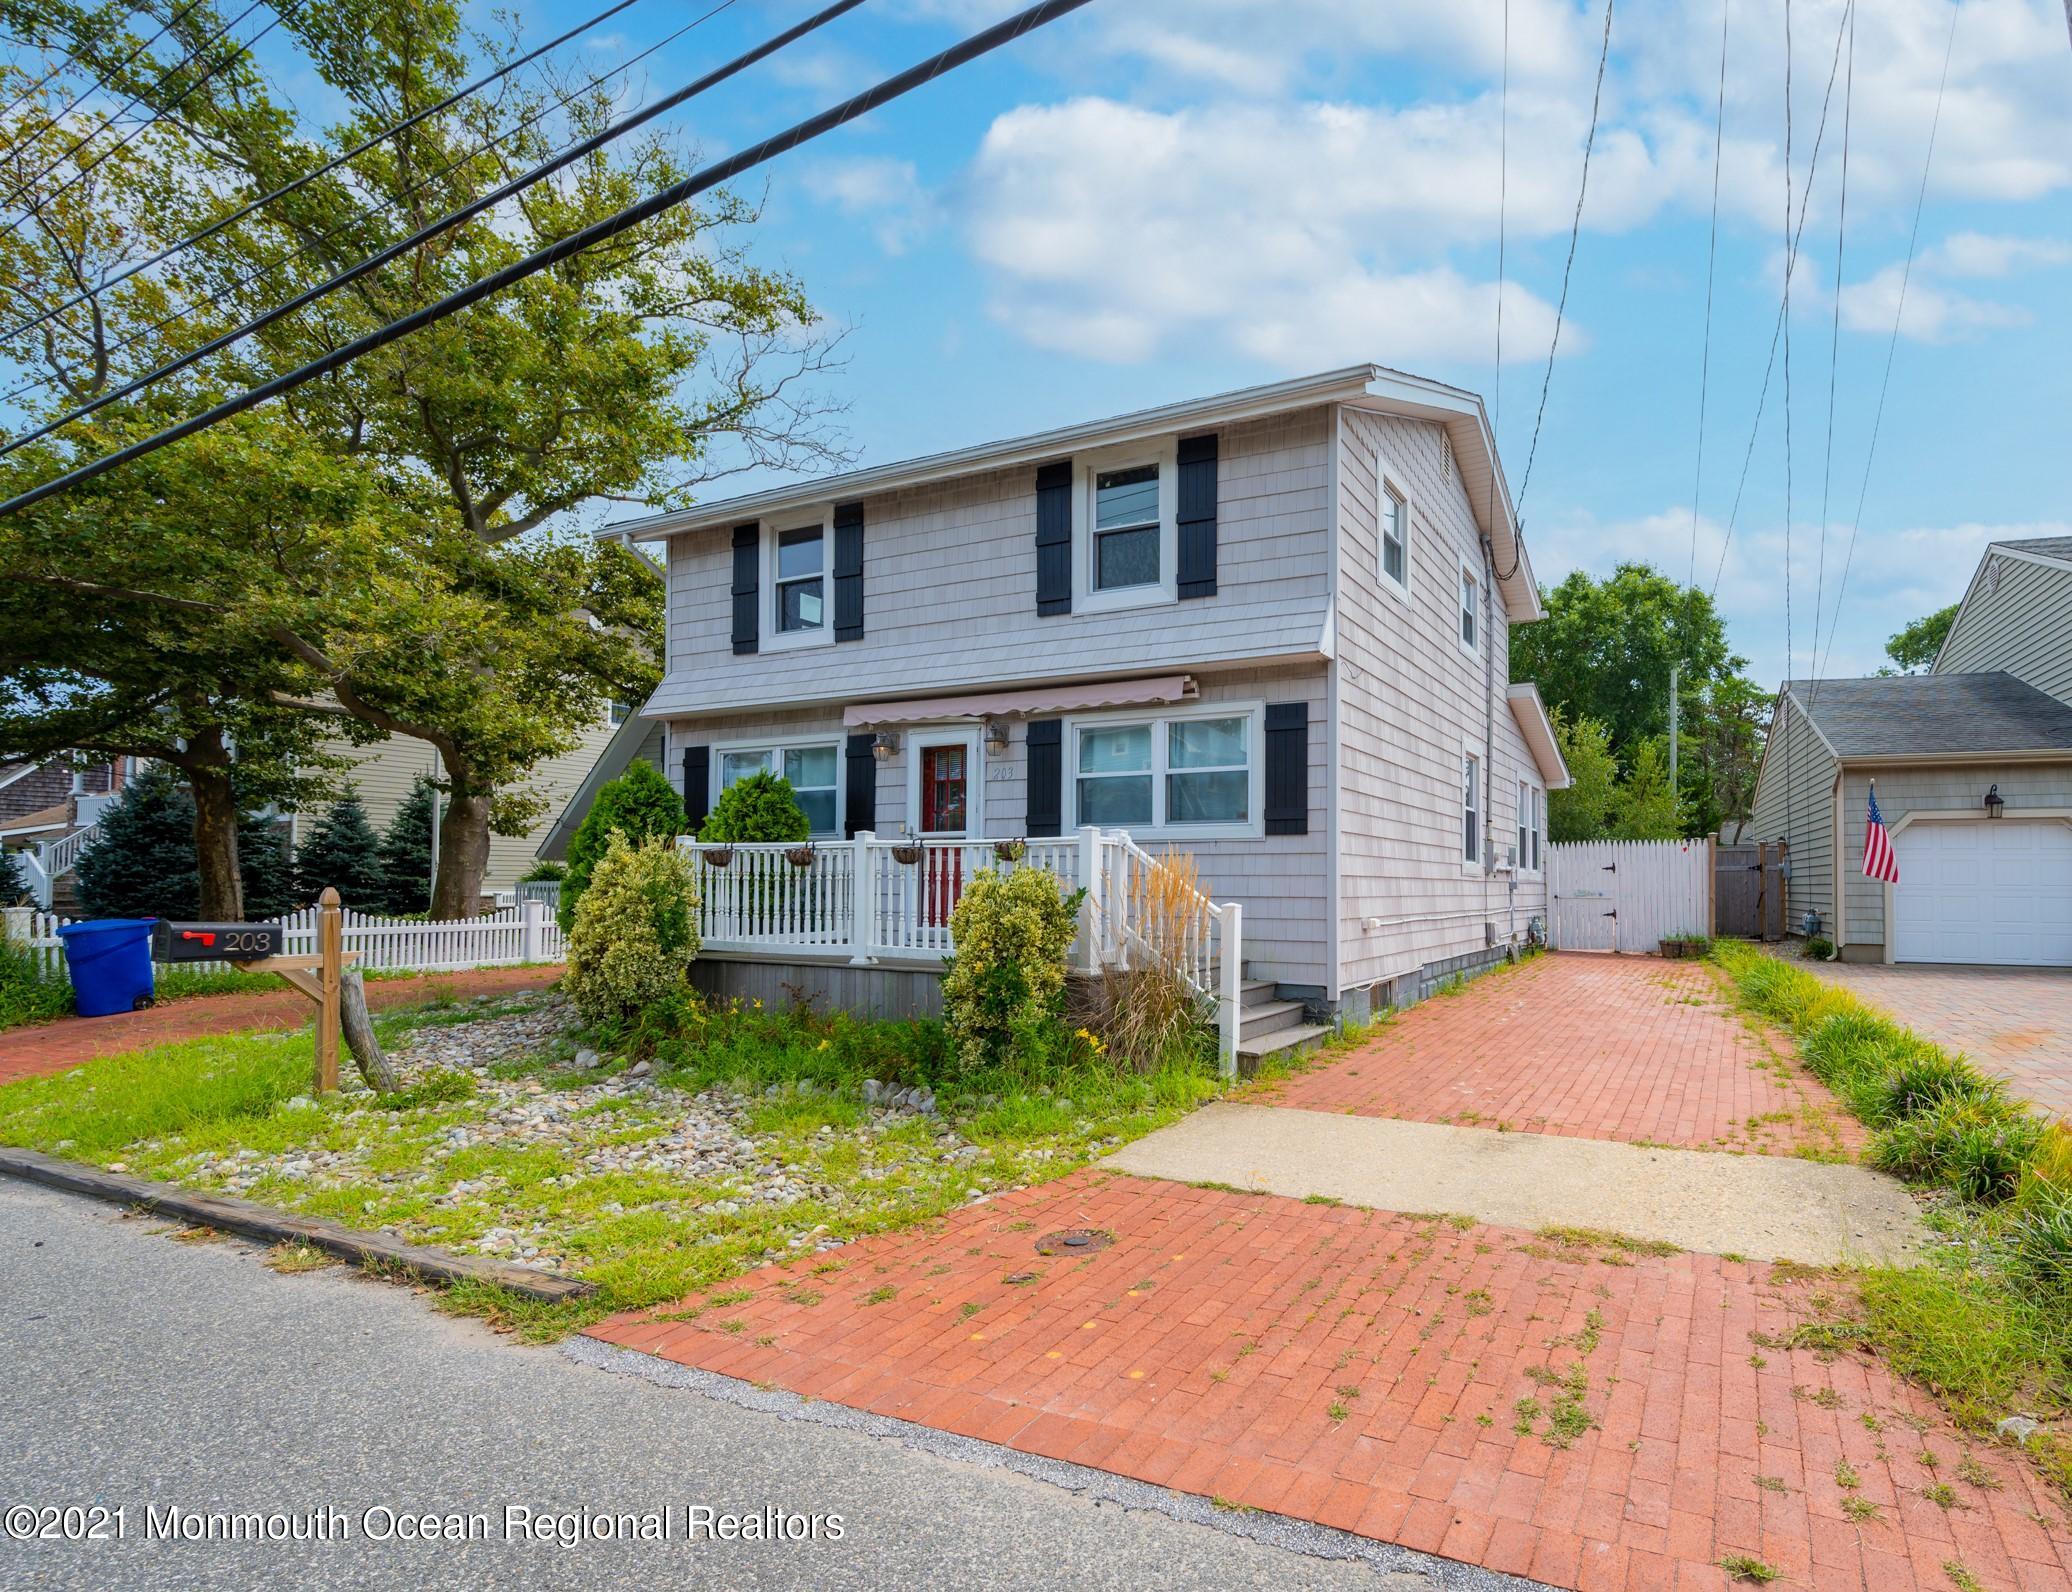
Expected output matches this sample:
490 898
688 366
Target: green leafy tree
141 862
1646 807
267 869
343 853
1913 647
447 601
406 852
640 804
760 808
1584 810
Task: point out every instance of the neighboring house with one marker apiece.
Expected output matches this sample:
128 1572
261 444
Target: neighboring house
48 812
1270 628
1973 766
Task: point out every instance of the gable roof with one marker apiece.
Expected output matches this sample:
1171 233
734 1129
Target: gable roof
1922 715
2058 547
1373 387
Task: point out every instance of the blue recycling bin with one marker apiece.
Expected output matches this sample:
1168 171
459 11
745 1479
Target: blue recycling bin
109 960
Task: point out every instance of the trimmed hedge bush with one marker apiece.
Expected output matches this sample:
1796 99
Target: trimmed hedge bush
1003 993
757 810
640 804
636 931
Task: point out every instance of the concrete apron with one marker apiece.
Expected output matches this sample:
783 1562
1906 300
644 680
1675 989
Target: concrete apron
1762 1207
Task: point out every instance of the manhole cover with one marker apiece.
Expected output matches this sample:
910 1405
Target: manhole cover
1074 1241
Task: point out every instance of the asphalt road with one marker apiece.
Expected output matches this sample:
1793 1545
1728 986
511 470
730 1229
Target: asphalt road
138 1372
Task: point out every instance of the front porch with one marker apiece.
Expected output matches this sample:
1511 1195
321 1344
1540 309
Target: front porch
860 922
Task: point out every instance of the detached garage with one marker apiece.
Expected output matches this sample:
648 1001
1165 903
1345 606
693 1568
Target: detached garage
1974 781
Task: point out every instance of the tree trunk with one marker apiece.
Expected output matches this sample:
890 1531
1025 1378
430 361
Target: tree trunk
215 845
359 1033
463 856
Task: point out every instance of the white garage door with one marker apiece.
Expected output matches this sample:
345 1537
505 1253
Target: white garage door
1992 890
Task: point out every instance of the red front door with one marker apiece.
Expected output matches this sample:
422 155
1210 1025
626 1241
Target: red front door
945 798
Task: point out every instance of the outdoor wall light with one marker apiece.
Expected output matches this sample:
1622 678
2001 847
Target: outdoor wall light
996 737
885 746
1994 804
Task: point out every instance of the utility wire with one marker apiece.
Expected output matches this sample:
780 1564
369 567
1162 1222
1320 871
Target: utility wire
266 268
1719 127
1798 232
153 120
1790 260
1892 346
98 83
65 61
1834 360
446 223
328 167
892 88
1574 231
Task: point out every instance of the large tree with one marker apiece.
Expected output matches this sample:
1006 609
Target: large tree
620 374
1913 647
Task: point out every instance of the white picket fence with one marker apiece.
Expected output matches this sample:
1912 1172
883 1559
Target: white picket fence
523 933
1627 895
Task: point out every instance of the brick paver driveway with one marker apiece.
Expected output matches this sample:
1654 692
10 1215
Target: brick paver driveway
1581 1411
2014 1021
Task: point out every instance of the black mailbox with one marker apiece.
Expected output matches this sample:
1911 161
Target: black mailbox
214 942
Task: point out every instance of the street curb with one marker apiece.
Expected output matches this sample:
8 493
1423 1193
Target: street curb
270 1226
1271 1530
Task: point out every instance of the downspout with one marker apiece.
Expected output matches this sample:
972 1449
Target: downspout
1488 732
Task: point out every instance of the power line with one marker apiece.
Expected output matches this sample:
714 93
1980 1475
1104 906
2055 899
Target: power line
65 61
446 223
1503 189
1892 346
328 167
98 84
969 49
1719 127
1798 232
1790 261
153 120
1574 231
1834 359
266 268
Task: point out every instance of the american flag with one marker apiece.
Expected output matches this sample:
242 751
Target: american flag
1879 859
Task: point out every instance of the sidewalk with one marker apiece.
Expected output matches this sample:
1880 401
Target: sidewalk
53 1047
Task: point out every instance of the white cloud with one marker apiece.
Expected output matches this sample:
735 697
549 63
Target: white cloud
884 190
1935 313
1974 254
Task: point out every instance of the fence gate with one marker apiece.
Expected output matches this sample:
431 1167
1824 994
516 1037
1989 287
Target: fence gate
1627 895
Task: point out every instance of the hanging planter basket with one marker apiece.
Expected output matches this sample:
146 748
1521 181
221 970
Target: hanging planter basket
906 854
718 859
800 857
1010 850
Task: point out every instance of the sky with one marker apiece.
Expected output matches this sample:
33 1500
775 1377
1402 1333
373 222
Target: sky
1159 199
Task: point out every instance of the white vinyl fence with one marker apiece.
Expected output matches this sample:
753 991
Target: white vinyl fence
523 933
1627 895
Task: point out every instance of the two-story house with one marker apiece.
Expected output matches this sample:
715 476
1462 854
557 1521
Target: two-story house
1972 766
1269 627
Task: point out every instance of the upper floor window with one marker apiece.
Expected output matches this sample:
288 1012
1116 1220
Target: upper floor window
1471 808
1126 544
801 579
1470 609
1395 536
1531 825
813 768
1189 771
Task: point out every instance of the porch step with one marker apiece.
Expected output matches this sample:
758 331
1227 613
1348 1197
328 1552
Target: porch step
1255 992
1283 1041
1267 1017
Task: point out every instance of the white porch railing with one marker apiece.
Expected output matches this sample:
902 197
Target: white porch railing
872 899
48 861
524 933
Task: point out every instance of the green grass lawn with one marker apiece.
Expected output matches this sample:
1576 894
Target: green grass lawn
440 1162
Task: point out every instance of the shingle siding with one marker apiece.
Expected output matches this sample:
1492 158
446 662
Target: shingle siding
950 590
1410 703
1794 801
2018 622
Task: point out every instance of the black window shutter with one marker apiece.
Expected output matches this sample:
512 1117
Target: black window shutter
849 572
747 556
1054 539
1197 516
1287 768
697 787
860 773
1046 777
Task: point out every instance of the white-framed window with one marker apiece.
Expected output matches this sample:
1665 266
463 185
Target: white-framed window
1531 823
814 768
1392 540
797 569
1199 772
1471 810
1125 527
1470 608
